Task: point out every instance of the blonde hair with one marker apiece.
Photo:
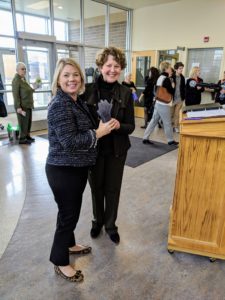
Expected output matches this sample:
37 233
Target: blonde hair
193 72
164 65
61 63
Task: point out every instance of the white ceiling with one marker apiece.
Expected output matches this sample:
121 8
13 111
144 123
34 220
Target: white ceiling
141 3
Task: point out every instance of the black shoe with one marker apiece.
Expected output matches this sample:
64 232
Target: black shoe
1 126
95 231
25 141
144 126
115 238
29 138
173 143
147 142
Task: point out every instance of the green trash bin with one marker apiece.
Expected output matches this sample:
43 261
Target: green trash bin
13 132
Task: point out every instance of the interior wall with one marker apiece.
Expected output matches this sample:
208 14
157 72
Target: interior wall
183 23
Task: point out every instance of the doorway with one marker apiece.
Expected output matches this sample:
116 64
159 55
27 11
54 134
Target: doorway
40 62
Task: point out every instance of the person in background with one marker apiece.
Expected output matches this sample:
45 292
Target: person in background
23 103
220 95
149 94
162 110
105 177
72 150
130 84
179 95
192 90
1 97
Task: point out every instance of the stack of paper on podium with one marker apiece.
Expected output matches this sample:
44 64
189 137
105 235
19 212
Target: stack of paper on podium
207 113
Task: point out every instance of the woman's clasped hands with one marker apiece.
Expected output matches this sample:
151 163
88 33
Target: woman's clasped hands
106 128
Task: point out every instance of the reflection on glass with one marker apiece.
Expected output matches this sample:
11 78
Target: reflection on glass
33 16
67 20
90 66
94 23
117 27
143 64
6 18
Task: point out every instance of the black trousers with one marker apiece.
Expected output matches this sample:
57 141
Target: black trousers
105 179
67 184
25 123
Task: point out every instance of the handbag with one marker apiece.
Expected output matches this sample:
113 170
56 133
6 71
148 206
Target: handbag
3 111
163 95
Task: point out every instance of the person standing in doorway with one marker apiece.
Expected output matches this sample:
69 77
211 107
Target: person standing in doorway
179 95
23 103
105 177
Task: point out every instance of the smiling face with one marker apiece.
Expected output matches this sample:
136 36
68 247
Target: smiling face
70 80
111 70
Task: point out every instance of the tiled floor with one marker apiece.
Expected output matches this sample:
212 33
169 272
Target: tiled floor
138 268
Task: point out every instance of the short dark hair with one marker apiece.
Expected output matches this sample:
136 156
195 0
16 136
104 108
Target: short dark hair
178 64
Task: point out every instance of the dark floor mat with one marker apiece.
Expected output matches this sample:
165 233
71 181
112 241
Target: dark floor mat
140 153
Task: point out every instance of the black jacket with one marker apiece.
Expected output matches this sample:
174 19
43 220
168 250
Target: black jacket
192 94
182 86
122 110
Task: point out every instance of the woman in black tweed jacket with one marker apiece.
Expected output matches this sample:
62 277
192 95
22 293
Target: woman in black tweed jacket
72 150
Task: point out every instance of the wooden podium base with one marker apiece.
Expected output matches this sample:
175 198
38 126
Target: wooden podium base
197 214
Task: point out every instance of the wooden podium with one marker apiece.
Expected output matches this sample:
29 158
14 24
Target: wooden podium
197 214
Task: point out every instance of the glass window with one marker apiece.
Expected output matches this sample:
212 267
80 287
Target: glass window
5 4
7 42
6 23
61 30
9 62
67 20
117 27
20 22
94 23
209 60
35 24
35 16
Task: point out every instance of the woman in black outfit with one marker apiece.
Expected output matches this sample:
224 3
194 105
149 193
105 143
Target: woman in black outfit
106 176
220 95
72 150
192 90
149 94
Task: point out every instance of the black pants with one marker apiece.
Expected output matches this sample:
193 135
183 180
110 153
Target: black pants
25 123
105 179
67 184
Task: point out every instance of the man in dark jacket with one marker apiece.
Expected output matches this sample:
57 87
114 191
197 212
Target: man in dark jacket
179 95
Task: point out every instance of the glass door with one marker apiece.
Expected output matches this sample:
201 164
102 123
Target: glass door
8 70
141 63
39 59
